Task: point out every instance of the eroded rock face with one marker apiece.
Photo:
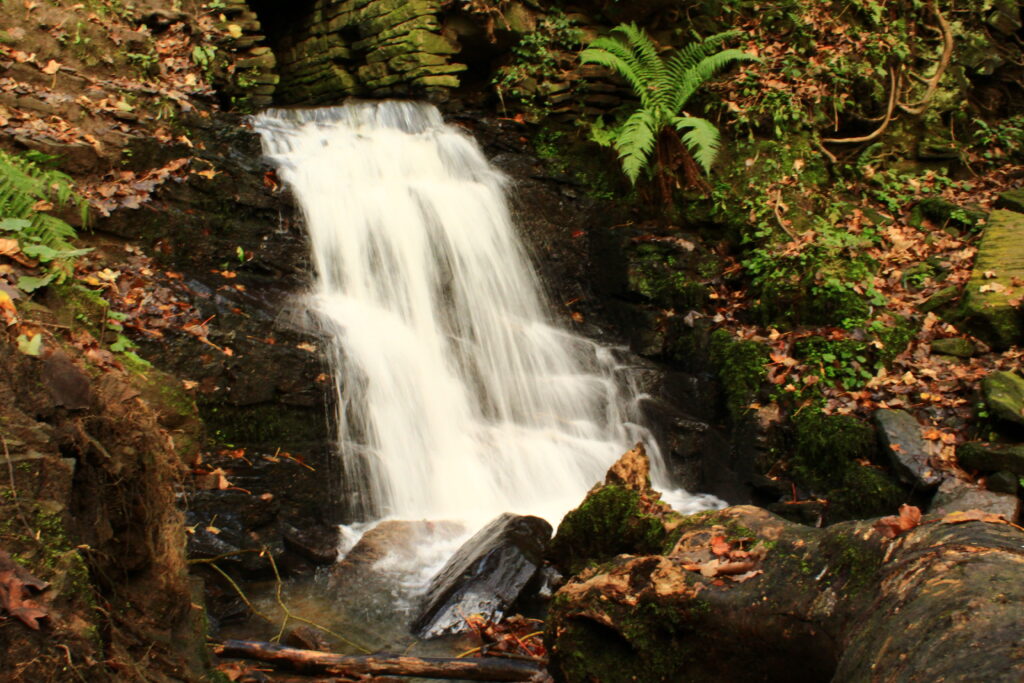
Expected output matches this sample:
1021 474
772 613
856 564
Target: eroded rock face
485 576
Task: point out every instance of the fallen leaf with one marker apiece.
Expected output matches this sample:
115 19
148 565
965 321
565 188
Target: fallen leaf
973 516
894 525
52 67
719 546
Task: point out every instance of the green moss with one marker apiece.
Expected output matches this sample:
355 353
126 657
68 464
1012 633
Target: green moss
610 522
741 368
852 561
827 454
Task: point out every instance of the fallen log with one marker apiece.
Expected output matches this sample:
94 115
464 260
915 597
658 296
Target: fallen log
312 661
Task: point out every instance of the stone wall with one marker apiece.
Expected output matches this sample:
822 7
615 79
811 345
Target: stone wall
243 66
374 48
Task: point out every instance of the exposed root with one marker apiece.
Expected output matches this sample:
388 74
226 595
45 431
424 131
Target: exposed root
894 82
932 83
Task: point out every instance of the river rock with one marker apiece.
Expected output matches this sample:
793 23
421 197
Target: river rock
900 437
1004 394
955 495
985 457
485 576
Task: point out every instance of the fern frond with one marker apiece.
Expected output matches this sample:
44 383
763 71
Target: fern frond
705 70
653 69
24 183
636 142
614 55
701 137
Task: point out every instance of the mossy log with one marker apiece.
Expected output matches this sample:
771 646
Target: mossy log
746 595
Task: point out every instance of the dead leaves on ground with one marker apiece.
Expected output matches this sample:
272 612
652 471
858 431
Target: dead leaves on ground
16 585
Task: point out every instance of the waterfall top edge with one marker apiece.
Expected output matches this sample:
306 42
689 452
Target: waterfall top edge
404 115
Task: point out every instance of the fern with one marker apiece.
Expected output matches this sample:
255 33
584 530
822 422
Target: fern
27 189
663 85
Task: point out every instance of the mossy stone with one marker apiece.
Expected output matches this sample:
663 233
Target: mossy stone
991 457
1004 395
609 522
1012 200
741 368
954 346
992 310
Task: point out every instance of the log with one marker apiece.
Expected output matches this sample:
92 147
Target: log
311 661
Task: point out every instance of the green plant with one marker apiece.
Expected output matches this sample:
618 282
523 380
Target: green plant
664 86
28 188
539 61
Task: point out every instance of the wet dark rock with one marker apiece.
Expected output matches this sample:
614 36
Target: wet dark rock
1003 482
485 576
900 436
985 457
1004 394
319 545
307 638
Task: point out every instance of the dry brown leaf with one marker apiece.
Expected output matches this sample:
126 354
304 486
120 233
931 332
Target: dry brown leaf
719 546
52 67
894 525
973 516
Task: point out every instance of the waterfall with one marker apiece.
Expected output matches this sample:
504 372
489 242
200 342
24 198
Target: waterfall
457 397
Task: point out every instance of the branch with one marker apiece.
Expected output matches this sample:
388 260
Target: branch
311 661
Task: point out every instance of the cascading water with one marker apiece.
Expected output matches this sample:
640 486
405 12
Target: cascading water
457 398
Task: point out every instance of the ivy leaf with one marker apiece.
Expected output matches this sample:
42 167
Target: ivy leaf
29 283
30 347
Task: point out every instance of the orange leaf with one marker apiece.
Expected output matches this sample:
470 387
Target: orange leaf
719 546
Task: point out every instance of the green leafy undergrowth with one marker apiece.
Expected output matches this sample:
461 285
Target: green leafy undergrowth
28 190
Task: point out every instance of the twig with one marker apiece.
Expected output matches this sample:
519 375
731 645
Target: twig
288 613
893 90
14 488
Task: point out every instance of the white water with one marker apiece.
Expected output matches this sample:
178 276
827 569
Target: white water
458 398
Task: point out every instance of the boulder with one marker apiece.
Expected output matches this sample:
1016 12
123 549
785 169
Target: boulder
900 437
956 495
985 457
1004 394
992 309
485 576
744 594
1003 482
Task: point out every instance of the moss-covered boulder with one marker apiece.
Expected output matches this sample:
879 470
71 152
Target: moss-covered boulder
743 594
954 346
992 305
829 456
984 457
623 515
1004 395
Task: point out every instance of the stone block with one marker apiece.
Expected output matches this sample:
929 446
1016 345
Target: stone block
445 81
1004 395
416 60
992 305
